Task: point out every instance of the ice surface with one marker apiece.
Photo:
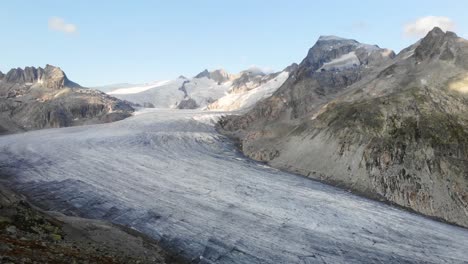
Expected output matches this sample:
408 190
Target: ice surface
168 174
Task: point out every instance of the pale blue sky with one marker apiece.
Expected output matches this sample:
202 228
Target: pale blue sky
141 41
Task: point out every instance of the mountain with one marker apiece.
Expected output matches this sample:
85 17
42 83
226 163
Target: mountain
249 88
219 76
390 127
33 98
215 90
174 93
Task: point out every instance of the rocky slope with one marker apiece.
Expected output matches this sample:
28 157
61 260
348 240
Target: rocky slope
29 235
393 128
34 98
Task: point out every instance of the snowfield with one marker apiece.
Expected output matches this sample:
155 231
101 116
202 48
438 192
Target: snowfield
138 88
247 99
168 94
169 174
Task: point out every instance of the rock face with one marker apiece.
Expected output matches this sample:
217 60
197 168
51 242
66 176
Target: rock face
50 77
219 76
34 98
187 103
392 128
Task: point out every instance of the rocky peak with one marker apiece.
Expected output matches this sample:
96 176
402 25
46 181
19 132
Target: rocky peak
1 75
339 53
202 74
19 75
437 44
49 77
218 75
291 68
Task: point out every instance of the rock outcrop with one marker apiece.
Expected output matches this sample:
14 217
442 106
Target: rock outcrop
390 127
34 98
29 235
219 76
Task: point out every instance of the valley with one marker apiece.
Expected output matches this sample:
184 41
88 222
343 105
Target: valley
170 175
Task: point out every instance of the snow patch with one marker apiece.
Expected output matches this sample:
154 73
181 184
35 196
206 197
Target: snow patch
139 89
348 60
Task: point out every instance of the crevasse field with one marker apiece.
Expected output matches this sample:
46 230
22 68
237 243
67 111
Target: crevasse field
170 175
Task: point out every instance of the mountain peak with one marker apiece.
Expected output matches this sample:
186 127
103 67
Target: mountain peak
218 75
341 53
436 43
331 38
202 74
50 77
437 32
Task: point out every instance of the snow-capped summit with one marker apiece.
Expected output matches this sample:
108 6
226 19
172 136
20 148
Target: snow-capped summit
331 38
337 53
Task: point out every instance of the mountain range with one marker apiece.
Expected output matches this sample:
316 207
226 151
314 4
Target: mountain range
214 90
389 126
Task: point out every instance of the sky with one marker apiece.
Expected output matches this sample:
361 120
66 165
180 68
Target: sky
104 42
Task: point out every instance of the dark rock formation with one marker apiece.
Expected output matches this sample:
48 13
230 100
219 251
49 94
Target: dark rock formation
392 128
291 67
29 235
187 103
148 105
34 98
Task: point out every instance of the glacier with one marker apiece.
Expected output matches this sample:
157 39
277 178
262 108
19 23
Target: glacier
169 174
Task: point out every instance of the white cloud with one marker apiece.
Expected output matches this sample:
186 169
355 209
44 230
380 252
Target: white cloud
259 69
59 24
421 26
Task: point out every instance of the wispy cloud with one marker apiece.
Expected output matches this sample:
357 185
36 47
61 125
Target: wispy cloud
260 69
59 24
421 26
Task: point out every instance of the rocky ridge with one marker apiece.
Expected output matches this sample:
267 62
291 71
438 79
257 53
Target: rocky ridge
34 98
391 127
